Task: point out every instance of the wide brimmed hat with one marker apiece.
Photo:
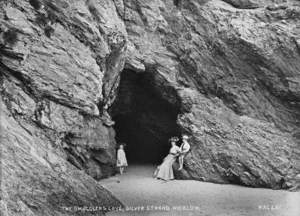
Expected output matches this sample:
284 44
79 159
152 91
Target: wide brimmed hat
185 136
173 139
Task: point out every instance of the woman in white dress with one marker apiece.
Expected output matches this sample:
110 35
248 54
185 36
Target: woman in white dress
165 170
121 159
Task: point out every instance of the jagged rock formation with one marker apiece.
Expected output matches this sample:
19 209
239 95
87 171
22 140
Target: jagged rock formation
236 74
55 57
36 178
231 68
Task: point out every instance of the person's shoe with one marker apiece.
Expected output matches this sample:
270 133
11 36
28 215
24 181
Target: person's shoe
180 168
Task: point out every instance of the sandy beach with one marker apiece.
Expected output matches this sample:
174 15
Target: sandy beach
143 195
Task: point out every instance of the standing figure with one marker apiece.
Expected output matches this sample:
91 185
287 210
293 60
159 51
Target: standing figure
184 148
121 159
165 170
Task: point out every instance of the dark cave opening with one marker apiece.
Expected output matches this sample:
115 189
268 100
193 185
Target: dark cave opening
143 119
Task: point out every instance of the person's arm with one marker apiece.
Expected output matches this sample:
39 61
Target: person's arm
178 151
186 148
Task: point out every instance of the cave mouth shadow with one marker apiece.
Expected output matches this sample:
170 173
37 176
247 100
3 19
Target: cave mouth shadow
144 121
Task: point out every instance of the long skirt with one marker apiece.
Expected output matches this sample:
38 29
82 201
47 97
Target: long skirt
121 158
165 170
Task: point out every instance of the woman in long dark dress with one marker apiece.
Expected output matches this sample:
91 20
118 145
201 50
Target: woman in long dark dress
165 170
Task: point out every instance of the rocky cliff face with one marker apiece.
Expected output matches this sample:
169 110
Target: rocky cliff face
59 62
235 73
231 68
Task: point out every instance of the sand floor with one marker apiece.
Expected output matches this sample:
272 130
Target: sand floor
143 195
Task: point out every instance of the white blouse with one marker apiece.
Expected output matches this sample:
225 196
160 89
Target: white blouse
174 150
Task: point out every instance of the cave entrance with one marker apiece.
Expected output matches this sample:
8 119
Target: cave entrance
143 119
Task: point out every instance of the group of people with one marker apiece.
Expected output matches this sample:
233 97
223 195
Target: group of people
165 170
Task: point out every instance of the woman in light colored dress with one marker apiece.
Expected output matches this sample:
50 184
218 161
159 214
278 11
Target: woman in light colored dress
165 170
121 159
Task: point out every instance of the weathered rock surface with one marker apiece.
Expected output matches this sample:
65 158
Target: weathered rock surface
236 76
55 57
36 178
252 4
230 67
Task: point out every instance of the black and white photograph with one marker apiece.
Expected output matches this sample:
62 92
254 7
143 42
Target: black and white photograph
150 107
